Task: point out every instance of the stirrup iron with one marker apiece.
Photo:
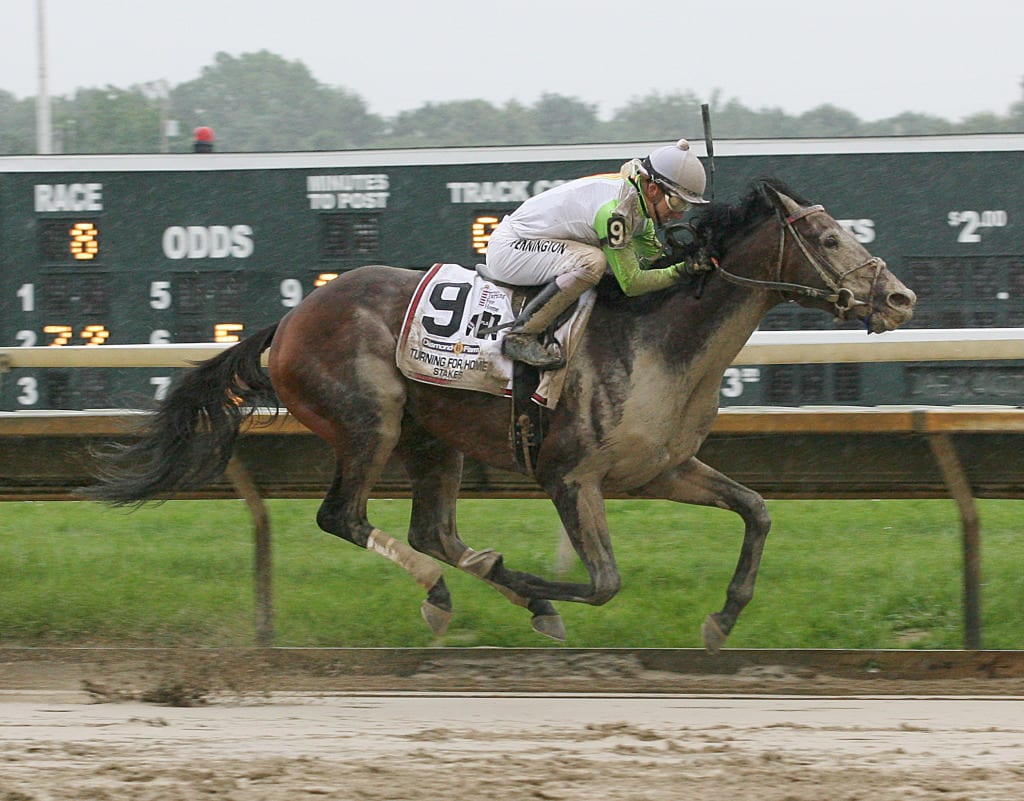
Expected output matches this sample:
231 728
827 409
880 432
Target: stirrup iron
528 348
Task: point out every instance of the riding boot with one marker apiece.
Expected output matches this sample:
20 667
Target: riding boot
522 343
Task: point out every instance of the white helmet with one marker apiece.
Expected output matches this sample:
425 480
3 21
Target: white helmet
676 170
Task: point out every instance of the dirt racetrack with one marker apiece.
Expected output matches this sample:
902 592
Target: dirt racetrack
117 725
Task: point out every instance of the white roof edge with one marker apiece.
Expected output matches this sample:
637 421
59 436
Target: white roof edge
373 158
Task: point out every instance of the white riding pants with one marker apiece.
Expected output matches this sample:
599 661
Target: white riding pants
529 262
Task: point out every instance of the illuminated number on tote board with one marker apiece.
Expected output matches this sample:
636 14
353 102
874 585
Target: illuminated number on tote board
480 231
69 240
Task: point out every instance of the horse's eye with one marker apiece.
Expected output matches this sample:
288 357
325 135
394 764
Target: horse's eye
831 241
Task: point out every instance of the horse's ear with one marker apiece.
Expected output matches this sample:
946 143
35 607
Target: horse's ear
782 204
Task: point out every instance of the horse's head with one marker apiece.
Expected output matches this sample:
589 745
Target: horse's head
818 263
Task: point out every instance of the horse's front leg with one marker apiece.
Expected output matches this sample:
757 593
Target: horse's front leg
694 482
581 509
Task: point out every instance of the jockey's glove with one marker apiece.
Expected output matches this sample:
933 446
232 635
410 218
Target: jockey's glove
698 266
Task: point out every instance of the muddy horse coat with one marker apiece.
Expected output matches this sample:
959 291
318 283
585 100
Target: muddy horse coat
640 397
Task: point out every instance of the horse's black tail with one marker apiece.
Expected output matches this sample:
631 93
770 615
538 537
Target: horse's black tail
188 441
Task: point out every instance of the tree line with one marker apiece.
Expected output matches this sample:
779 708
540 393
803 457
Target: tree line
263 102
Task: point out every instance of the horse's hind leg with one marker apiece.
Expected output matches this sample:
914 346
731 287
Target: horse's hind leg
362 454
694 482
435 474
332 364
344 514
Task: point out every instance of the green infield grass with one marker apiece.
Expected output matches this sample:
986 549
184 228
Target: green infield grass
836 574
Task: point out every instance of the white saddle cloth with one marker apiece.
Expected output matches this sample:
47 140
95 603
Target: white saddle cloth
439 343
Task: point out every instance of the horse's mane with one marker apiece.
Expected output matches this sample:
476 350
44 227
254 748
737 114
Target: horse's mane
713 228
718 224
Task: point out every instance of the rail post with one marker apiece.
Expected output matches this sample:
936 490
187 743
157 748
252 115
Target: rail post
960 490
247 490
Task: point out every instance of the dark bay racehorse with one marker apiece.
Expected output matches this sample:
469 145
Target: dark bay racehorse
640 397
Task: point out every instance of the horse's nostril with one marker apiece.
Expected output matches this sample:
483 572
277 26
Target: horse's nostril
901 300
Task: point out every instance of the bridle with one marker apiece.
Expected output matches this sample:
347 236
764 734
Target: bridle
842 297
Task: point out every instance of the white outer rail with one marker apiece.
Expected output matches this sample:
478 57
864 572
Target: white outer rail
764 347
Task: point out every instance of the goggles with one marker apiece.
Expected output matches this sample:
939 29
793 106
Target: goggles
675 203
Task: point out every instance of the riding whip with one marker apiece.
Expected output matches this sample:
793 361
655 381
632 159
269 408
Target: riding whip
705 113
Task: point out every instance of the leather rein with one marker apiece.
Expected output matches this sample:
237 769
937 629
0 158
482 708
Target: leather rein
842 297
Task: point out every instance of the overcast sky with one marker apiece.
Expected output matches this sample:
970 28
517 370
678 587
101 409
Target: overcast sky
875 58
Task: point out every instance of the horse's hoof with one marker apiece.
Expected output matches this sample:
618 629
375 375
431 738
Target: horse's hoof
436 617
550 626
714 637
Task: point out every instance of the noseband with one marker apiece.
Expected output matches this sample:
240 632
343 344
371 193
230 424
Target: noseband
842 297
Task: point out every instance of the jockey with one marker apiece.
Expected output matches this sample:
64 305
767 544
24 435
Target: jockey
568 236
